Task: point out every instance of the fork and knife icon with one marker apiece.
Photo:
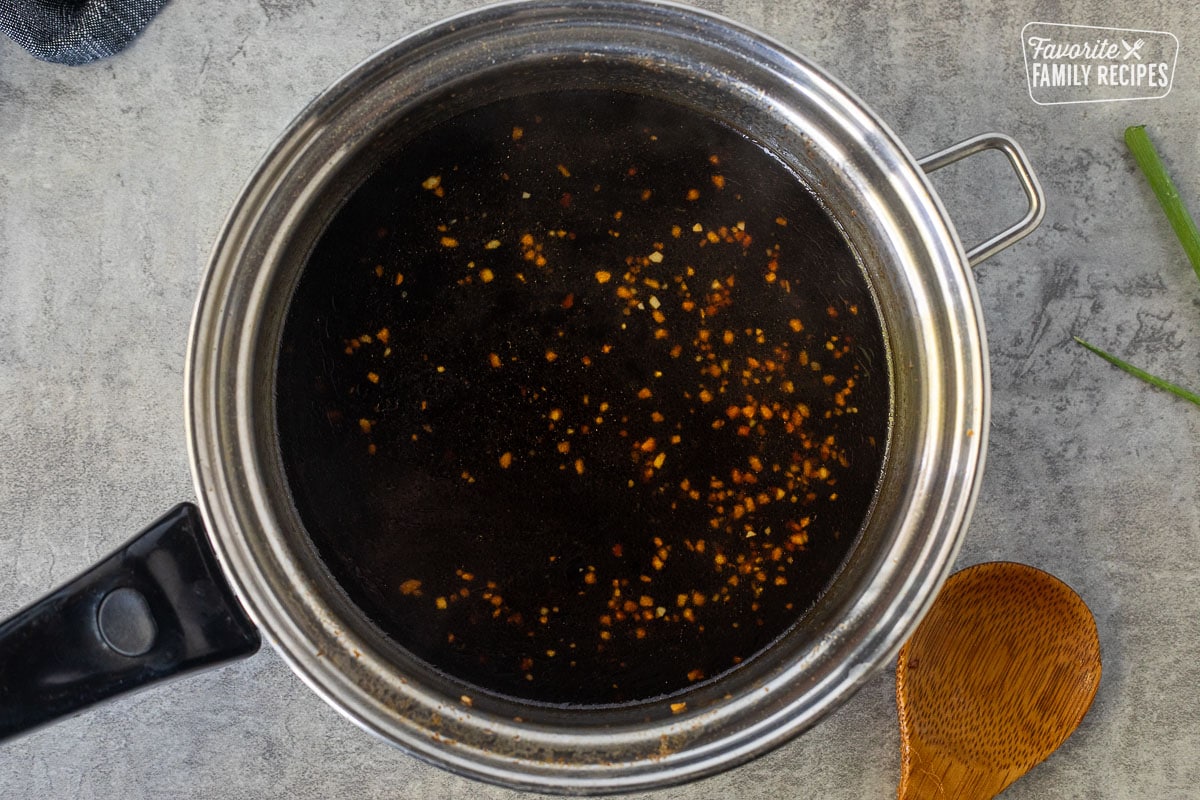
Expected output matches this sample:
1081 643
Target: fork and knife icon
1132 49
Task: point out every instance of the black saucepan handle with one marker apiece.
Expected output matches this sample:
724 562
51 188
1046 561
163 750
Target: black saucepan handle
156 608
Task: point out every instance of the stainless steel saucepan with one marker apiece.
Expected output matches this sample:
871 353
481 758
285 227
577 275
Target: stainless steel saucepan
193 589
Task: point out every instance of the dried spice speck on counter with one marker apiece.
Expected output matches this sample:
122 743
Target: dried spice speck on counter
584 398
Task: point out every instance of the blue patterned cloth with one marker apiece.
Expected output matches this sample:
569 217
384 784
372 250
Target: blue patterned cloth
75 31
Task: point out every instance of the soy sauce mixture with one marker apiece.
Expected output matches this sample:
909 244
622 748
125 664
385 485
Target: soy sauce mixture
583 397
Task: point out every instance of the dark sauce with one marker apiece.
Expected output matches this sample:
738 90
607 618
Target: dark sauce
583 398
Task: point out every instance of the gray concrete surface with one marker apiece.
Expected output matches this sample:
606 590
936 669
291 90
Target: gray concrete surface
114 181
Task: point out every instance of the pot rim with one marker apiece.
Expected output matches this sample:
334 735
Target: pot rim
223 373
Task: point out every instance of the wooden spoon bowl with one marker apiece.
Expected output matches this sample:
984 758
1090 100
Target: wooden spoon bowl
997 676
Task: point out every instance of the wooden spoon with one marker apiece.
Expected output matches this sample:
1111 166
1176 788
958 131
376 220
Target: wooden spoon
996 677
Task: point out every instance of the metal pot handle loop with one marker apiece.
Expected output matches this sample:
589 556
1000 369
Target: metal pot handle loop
1020 165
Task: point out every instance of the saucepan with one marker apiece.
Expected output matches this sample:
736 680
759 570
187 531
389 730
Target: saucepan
196 588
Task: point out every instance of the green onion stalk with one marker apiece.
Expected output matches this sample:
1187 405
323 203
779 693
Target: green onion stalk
1185 229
